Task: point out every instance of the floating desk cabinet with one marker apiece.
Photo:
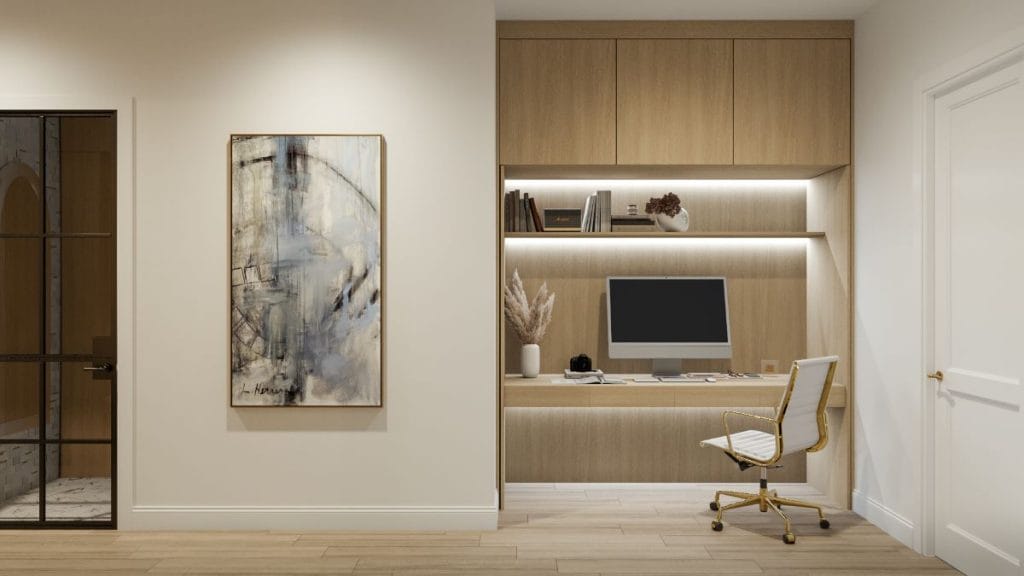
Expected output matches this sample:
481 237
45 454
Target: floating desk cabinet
749 124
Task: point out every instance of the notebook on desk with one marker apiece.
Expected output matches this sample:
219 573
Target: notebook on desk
589 380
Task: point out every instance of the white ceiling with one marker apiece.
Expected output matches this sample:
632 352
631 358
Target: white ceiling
681 9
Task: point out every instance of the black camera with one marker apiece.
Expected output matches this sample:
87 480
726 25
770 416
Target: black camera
580 363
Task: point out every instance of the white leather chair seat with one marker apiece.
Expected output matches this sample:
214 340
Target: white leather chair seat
750 443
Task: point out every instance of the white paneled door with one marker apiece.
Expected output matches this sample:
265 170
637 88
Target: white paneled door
978 183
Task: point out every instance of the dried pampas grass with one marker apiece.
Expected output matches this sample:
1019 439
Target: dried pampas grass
528 318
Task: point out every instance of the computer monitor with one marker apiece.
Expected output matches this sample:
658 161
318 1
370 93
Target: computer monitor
668 319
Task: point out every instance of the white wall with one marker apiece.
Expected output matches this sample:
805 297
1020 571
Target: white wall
897 42
419 72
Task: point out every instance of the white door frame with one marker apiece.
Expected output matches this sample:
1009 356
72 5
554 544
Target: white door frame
951 76
125 282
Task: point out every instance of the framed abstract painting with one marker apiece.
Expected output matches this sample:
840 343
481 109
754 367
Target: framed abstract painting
307 270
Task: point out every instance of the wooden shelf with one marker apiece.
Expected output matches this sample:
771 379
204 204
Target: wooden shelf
664 234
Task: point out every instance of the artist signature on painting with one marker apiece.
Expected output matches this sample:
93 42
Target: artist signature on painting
265 388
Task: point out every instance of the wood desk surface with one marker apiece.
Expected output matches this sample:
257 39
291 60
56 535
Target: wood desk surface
725 393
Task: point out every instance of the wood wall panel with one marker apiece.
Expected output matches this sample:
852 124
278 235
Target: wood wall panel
556 101
792 102
766 281
625 445
674 102
829 301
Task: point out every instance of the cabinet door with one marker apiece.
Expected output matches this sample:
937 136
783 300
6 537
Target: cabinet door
792 100
674 102
556 101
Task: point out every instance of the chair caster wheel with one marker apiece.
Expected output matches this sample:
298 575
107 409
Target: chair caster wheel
716 526
714 506
789 538
824 524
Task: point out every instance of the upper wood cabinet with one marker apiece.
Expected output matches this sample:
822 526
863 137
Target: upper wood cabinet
675 101
556 101
792 102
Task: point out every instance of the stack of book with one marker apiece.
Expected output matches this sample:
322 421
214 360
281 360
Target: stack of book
521 214
597 212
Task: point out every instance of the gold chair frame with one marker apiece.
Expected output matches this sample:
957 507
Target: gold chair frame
764 498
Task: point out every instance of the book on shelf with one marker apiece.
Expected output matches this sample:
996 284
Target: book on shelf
524 225
538 224
604 203
524 211
588 214
597 212
513 207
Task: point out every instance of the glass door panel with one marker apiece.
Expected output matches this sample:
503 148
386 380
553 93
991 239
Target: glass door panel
21 312
81 278
86 401
19 483
19 401
79 488
85 198
21 181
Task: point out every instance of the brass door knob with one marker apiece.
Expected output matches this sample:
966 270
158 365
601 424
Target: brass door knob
937 375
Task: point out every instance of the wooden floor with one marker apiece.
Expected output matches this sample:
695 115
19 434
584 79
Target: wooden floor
546 530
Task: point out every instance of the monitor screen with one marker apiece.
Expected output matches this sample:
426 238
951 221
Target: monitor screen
668 310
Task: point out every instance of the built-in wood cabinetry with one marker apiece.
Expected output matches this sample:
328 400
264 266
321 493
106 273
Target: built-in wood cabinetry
748 123
678 101
674 101
792 101
556 101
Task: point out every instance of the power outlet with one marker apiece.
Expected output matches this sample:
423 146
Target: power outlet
769 366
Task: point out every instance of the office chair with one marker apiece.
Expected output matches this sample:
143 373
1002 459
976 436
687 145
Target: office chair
800 424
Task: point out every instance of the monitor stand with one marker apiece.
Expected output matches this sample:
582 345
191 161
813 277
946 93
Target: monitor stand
667 367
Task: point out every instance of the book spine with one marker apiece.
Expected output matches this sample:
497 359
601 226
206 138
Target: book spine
587 207
605 201
506 216
515 211
537 223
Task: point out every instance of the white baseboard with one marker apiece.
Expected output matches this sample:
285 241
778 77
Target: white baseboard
884 517
362 518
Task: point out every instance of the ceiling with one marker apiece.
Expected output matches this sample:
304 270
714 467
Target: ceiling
681 9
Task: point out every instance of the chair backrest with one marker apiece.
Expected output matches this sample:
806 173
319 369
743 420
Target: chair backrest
802 410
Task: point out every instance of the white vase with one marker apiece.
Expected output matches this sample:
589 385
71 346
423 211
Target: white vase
530 360
678 223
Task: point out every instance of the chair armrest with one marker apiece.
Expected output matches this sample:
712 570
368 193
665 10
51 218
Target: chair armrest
728 433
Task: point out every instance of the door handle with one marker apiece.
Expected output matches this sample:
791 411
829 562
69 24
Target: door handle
937 375
105 367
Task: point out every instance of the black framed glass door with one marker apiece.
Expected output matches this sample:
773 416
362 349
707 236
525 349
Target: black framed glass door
58 392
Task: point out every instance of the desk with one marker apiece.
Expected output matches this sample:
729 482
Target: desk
725 393
648 432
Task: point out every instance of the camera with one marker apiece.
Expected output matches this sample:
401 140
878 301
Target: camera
580 363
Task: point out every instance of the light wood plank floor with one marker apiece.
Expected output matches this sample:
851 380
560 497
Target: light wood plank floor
546 530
